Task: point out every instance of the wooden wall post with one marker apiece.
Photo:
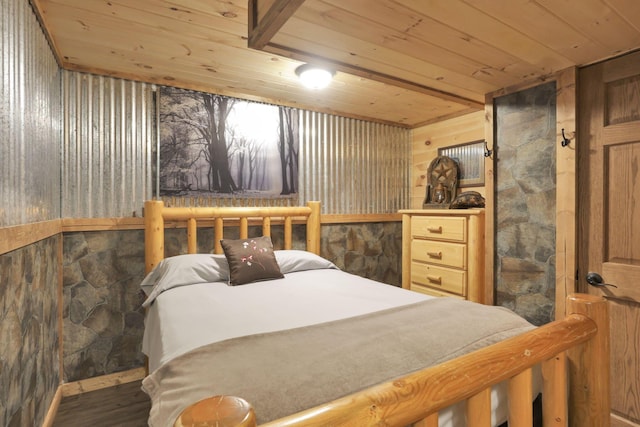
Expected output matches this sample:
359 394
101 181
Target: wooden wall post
566 217
153 234
406 250
313 228
589 369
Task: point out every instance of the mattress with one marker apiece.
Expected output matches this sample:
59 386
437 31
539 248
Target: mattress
190 305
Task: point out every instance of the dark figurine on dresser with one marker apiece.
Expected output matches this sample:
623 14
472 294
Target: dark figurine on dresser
442 183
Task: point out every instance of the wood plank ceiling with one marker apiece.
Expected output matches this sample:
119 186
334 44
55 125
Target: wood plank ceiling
405 62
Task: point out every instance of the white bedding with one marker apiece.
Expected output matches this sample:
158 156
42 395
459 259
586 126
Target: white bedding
185 310
186 317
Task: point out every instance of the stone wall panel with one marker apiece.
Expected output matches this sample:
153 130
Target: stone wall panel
525 202
103 271
29 368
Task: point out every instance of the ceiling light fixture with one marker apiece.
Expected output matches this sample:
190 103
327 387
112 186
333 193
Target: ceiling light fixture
314 76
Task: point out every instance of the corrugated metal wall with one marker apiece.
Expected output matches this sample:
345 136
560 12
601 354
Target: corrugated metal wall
79 145
354 166
108 136
109 141
29 119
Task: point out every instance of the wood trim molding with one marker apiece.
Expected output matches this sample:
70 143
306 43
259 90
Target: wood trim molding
489 185
50 417
356 219
100 224
40 13
103 381
15 237
18 236
566 216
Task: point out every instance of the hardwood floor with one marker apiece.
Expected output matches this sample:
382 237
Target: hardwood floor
124 405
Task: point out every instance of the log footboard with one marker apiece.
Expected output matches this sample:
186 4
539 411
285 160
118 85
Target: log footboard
574 349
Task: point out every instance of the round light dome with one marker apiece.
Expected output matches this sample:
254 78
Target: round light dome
314 77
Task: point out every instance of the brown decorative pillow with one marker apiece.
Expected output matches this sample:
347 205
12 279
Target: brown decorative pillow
251 260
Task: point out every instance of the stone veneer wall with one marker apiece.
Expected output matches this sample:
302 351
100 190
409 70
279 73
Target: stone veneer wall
526 202
102 319
29 364
372 250
102 315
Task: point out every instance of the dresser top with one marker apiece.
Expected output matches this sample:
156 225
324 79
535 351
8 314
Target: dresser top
442 212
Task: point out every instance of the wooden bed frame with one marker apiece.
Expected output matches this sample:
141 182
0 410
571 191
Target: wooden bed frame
573 353
156 216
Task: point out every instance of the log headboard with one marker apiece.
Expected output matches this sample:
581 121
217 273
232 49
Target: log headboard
156 214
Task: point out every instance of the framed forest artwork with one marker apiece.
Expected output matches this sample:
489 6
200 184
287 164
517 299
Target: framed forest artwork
470 160
217 146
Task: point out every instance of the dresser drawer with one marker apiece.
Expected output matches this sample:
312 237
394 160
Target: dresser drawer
440 278
438 227
441 253
433 292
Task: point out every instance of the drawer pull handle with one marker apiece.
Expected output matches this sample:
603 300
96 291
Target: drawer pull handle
435 229
434 279
435 255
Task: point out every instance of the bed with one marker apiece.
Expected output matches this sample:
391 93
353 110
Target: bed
307 344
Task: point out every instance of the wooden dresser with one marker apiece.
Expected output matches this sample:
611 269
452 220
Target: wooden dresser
443 253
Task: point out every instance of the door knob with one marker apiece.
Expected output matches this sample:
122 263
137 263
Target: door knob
594 279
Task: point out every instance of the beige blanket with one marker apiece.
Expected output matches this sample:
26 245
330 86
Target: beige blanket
284 372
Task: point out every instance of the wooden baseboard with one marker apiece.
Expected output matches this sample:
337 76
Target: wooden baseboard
104 381
53 408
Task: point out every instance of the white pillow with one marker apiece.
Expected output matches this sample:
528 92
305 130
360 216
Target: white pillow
293 260
190 269
187 269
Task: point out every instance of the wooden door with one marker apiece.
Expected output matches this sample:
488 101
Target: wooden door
609 215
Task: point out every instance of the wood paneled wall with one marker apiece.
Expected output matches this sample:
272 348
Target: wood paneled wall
427 139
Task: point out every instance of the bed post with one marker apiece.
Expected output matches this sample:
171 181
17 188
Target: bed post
222 411
589 369
153 234
313 228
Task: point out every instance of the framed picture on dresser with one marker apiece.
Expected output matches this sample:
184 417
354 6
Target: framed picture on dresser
470 159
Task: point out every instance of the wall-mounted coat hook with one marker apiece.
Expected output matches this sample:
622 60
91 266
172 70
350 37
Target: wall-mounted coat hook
565 141
487 152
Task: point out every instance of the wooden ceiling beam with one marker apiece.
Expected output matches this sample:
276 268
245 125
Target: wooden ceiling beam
370 74
266 17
